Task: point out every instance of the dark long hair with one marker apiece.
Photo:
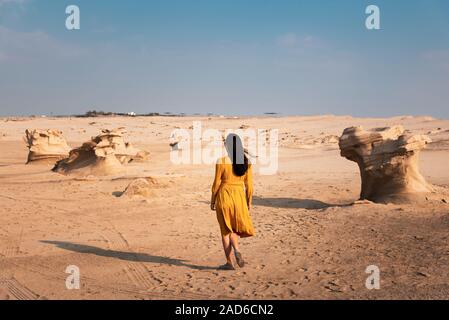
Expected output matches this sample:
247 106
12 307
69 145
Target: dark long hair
234 146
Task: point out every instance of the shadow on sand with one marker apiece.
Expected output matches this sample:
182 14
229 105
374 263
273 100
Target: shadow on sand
291 203
123 255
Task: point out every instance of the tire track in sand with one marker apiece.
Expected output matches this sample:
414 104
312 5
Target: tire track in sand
11 250
49 275
17 290
10 285
143 278
136 271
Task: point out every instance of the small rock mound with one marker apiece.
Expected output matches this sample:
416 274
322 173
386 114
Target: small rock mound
143 187
388 162
48 145
330 139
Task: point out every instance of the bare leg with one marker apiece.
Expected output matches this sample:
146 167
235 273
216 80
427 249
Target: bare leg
234 241
227 248
235 244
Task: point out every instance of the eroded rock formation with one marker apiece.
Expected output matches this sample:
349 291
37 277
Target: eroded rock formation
178 141
46 145
105 154
388 162
124 151
142 187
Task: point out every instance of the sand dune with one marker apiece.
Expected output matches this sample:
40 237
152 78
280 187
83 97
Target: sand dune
314 240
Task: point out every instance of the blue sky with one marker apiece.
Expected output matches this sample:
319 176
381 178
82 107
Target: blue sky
225 57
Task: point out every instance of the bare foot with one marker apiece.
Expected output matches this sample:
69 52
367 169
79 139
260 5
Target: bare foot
239 258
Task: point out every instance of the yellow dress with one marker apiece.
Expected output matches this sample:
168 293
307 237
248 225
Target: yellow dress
231 195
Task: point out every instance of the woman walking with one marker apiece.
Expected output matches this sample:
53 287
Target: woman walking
231 198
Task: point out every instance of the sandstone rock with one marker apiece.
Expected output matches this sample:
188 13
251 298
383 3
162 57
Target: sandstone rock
178 141
105 154
330 139
142 187
124 151
90 159
388 162
48 145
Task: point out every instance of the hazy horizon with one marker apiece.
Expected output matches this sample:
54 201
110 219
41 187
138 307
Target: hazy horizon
193 115
225 57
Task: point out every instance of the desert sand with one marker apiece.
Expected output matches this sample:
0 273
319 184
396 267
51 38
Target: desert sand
314 239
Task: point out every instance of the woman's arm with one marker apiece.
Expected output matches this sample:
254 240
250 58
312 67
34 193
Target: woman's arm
249 186
216 185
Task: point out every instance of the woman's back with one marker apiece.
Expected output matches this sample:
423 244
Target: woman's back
231 198
227 174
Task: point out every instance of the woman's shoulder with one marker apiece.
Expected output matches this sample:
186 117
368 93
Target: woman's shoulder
224 160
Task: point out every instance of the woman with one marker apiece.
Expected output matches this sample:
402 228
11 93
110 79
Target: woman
231 197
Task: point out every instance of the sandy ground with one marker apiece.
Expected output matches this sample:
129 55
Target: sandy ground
311 242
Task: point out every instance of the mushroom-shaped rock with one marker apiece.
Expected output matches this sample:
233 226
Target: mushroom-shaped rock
48 145
388 162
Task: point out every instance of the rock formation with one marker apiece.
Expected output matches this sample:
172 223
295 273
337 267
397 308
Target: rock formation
105 154
388 162
142 187
178 141
48 145
124 151
90 159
